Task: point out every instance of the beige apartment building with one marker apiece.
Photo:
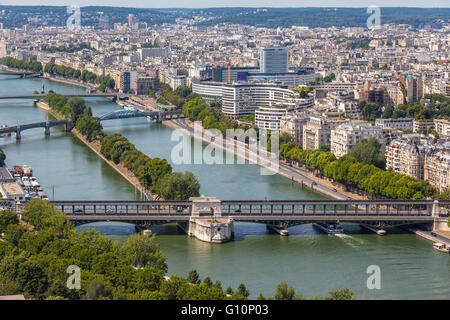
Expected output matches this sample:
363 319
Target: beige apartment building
347 135
406 156
437 168
442 127
317 131
293 124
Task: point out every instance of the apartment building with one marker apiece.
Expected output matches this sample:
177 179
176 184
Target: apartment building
345 136
292 124
442 127
423 126
317 131
406 156
400 124
245 98
437 167
269 117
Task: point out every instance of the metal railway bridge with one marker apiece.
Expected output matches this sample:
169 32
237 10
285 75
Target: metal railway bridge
379 213
157 116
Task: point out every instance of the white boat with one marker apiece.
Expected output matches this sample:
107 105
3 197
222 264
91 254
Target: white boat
34 182
441 247
330 228
26 182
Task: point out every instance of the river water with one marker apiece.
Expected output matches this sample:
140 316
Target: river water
313 263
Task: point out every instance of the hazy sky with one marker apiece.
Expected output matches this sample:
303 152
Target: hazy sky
234 3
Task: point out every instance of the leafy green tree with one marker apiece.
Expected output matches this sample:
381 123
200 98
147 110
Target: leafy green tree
341 294
153 171
2 158
368 151
193 277
371 111
388 112
32 279
217 284
178 186
6 218
14 233
98 291
141 250
286 293
208 282
242 290
229 290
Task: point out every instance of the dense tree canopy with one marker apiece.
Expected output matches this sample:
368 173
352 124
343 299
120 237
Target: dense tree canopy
368 151
34 66
2 158
349 171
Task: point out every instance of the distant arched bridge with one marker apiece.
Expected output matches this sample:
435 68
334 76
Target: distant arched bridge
157 116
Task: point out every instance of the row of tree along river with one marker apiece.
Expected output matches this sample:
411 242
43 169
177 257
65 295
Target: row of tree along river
312 262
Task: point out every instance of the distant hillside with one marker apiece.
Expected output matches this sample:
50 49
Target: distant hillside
17 16
325 17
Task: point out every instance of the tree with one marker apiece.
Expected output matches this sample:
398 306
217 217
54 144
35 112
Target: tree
178 186
242 290
284 292
193 277
153 171
141 250
341 294
14 233
229 290
32 279
98 291
6 218
368 151
208 282
2 158
371 111
388 112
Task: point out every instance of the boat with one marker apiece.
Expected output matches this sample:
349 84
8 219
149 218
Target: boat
330 228
441 247
8 134
34 182
26 182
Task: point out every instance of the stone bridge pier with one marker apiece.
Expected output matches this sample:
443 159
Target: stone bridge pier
206 222
440 223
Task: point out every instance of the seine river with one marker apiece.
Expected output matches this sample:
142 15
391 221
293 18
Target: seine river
311 262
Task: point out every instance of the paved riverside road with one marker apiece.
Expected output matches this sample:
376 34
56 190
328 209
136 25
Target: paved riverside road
283 169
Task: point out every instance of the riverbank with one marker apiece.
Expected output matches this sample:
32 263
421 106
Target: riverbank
295 174
66 81
436 236
96 147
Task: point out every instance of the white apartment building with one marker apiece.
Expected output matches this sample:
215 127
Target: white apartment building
442 127
245 98
400 124
345 136
269 117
